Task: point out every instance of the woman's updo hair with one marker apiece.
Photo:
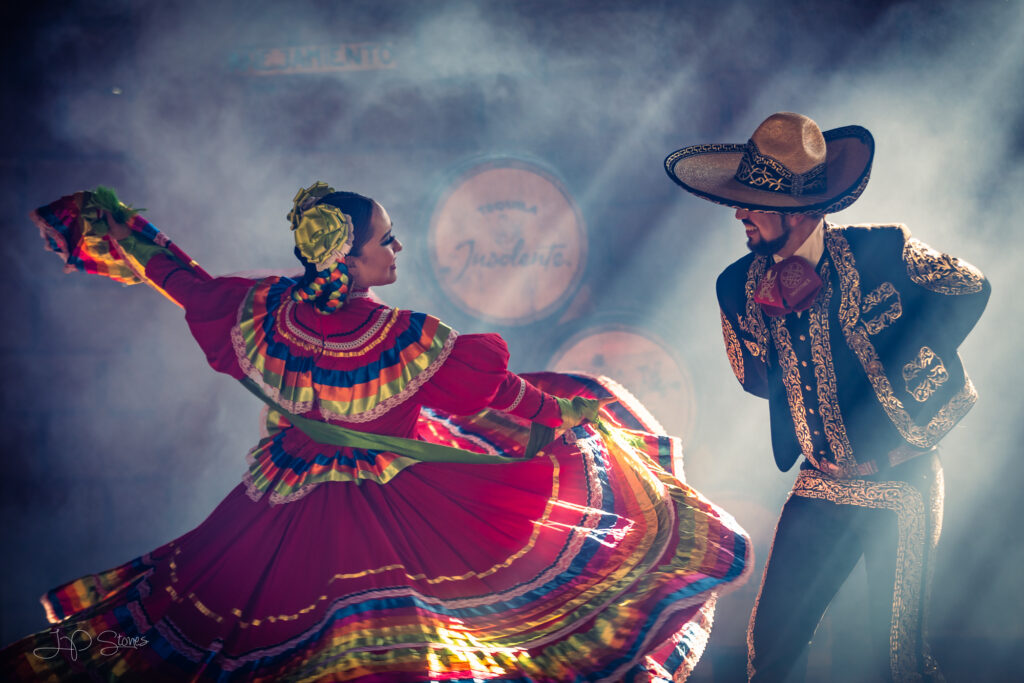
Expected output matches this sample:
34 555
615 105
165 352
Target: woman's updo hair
360 208
327 289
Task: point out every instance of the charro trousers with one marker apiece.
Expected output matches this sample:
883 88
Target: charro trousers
893 520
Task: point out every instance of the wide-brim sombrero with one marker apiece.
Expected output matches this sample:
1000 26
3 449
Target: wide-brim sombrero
710 171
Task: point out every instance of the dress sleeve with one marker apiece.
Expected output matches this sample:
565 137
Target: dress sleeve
476 376
211 307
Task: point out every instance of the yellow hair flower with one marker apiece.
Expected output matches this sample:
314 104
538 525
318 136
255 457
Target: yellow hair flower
323 233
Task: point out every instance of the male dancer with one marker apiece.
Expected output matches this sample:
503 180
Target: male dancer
851 333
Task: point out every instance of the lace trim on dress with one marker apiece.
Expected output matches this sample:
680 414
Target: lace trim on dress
252 489
287 316
519 397
253 373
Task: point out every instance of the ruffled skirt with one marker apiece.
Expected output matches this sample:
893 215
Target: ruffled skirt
589 562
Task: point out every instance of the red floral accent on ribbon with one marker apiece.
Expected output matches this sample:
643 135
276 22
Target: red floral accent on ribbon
790 285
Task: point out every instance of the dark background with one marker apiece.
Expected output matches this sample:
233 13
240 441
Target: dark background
116 435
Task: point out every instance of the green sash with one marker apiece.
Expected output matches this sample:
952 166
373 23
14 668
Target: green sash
424 451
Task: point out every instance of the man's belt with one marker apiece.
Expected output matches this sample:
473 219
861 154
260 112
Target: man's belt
896 456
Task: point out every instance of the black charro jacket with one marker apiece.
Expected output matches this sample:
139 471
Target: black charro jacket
873 364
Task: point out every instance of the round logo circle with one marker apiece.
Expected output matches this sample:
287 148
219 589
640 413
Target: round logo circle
508 244
641 364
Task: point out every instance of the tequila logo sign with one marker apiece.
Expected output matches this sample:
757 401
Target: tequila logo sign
278 61
507 242
640 362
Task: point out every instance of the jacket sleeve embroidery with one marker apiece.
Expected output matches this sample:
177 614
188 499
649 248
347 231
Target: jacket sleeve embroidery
940 272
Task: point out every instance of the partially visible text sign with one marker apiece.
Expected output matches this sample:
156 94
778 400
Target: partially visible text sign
305 59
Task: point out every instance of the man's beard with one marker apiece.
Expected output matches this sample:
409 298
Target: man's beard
769 247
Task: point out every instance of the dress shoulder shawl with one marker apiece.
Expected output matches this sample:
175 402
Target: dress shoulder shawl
357 378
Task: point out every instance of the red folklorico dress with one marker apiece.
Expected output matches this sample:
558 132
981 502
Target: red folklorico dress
590 561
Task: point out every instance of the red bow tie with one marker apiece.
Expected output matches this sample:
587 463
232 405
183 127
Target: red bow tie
790 285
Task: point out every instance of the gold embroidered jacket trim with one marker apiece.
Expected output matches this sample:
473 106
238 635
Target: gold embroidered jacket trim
753 324
857 337
732 348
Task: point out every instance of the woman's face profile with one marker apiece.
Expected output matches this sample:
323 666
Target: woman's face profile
375 265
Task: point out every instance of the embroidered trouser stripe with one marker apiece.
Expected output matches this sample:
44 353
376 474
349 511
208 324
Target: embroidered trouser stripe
825 527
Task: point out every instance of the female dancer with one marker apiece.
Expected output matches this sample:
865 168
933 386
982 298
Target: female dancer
414 510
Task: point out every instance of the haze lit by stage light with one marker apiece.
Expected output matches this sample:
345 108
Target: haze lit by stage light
118 435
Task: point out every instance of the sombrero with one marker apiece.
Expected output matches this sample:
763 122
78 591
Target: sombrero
787 166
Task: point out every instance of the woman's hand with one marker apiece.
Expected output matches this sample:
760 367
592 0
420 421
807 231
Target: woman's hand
117 230
577 410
